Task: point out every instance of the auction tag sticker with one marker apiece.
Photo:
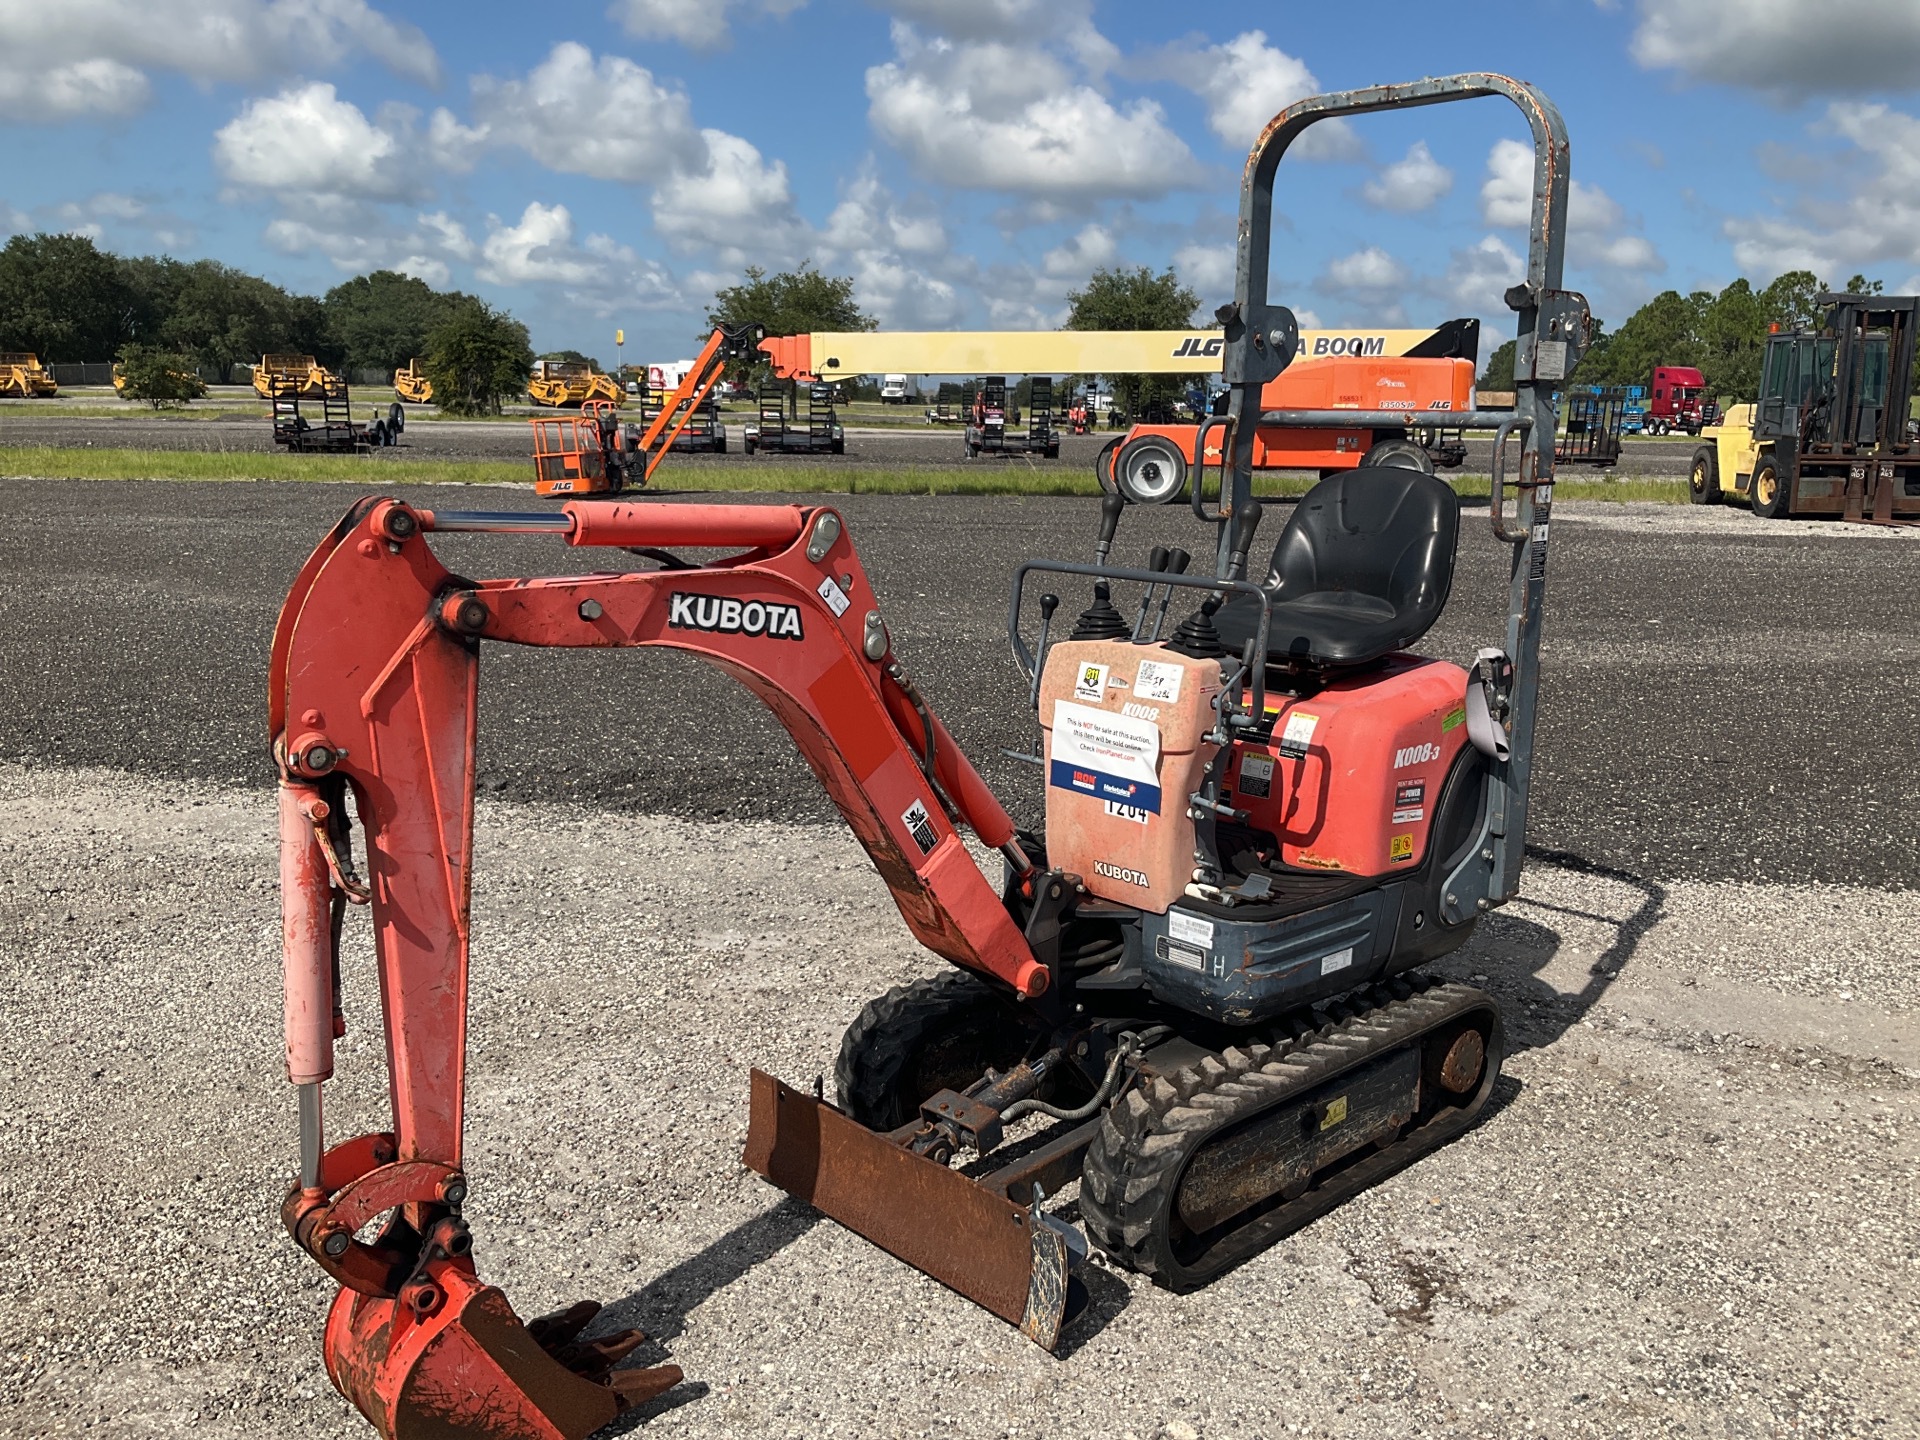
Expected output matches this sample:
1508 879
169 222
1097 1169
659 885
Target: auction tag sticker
1298 734
1110 757
1158 680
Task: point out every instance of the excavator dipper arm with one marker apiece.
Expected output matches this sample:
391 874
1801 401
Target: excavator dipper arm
373 681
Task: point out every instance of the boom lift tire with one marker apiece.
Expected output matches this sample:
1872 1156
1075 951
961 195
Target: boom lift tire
1703 477
1150 471
1769 492
1400 451
1103 466
939 1033
397 418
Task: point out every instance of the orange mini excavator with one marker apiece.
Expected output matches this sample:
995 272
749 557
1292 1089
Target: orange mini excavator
1197 993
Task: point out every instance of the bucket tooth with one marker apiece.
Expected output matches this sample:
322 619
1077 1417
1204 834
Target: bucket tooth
1004 1257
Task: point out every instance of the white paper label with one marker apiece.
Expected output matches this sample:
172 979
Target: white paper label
1091 684
835 597
1183 925
1339 960
1112 744
1185 956
1126 812
1158 680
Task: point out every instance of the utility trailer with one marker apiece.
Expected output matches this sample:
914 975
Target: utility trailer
702 433
1832 432
1595 417
335 431
822 434
994 428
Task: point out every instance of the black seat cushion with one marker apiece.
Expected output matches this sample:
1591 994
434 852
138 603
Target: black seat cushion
1362 569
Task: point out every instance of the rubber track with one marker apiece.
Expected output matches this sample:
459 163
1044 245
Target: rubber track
1147 1137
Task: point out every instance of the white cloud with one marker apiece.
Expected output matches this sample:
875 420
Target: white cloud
1478 278
1787 48
1094 248
1876 223
1409 184
697 24
609 119
1371 270
1595 220
309 140
739 205
598 274
70 58
1245 83
994 116
449 234
1208 269
1069 22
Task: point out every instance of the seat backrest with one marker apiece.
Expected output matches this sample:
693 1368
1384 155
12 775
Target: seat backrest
1384 532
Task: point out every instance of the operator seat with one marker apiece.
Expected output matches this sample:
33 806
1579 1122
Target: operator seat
1362 569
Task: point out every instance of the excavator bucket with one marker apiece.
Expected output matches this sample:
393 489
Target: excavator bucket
1007 1258
470 1368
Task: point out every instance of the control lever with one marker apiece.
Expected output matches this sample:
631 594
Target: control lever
1110 508
1156 562
1177 562
1048 604
1245 521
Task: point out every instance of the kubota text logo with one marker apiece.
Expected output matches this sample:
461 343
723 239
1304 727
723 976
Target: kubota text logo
734 617
1116 872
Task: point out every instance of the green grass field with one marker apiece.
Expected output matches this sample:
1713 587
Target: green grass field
100 463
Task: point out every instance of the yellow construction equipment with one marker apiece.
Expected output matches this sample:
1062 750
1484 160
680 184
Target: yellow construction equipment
571 382
23 377
293 374
412 385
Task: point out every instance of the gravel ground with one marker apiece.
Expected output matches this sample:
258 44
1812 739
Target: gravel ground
1690 1212
1724 698
486 440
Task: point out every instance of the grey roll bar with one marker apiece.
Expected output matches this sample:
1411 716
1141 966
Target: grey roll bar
1553 328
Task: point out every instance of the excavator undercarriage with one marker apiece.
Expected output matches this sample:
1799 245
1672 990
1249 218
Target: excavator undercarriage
1197 993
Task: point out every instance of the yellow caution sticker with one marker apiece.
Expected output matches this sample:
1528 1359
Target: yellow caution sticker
1336 1111
1399 848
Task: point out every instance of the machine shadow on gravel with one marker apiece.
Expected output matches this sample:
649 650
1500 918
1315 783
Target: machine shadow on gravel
1525 947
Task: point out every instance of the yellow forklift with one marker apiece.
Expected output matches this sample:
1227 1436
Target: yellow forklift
1832 433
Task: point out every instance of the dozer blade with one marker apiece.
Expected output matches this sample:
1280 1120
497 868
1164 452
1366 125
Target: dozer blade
1002 1256
469 1368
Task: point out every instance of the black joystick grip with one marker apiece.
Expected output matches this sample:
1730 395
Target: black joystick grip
1177 561
1048 604
1110 508
1157 559
1245 521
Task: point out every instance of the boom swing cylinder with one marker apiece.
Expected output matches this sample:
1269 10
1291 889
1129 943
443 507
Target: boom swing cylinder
1200 981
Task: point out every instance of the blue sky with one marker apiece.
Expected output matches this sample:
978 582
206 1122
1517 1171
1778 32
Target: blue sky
968 161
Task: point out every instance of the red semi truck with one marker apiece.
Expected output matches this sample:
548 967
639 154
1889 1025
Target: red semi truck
1677 400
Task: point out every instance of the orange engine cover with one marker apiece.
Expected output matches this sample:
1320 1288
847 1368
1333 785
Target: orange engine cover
1124 728
1351 776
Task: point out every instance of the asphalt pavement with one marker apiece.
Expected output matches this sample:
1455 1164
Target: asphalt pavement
1724 698
1641 458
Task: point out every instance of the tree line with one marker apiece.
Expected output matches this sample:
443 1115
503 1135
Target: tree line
66 300
1722 335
